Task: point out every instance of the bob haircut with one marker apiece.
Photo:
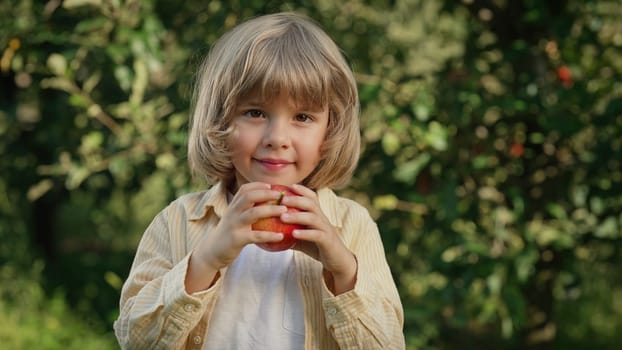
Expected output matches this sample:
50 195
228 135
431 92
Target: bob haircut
282 52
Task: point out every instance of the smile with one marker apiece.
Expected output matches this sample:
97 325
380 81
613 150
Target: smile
273 164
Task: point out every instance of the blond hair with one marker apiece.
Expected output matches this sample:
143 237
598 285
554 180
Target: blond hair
283 52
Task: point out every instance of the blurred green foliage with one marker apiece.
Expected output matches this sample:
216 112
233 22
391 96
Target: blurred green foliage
492 141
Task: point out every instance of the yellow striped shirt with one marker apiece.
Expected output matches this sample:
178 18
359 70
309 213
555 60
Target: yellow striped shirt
157 313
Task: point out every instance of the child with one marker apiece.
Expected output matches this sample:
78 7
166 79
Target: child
275 103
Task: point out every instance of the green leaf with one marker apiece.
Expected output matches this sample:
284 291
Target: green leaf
41 188
92 81
76 176
72 4
57 64
113 280
525 264
436 136
385 202
90 24
408 172
557 211
608 228
124 77
390 143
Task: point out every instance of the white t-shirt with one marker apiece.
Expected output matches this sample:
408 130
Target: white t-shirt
260 306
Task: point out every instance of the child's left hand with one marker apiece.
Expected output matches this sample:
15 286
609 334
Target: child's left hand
320 240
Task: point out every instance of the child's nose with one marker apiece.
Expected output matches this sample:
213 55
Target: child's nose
277 134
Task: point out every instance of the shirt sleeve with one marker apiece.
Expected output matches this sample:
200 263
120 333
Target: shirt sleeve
371 315
155 310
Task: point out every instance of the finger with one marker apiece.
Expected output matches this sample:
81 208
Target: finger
250 186
253 195
299 202
323 239
308 219
266 237
306 200
304 204
315 236
303 191
263 211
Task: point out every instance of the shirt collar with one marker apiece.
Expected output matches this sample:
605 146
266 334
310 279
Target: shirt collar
330 206
215 198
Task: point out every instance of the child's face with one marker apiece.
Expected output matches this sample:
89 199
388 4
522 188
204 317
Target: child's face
276 141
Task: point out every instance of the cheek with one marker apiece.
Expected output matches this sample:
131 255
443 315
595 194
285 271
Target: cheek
234 141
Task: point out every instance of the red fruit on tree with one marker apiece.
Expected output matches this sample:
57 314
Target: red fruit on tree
517 150
274 224
565 75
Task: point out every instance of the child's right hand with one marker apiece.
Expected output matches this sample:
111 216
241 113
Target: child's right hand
221 246
233 232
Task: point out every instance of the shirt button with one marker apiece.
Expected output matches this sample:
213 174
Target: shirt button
197 340
188 308
306 281
332 311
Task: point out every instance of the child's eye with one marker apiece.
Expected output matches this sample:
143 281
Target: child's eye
254 113
305 118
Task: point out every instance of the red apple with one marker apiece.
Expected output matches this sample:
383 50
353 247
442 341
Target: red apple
274 224
564 73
